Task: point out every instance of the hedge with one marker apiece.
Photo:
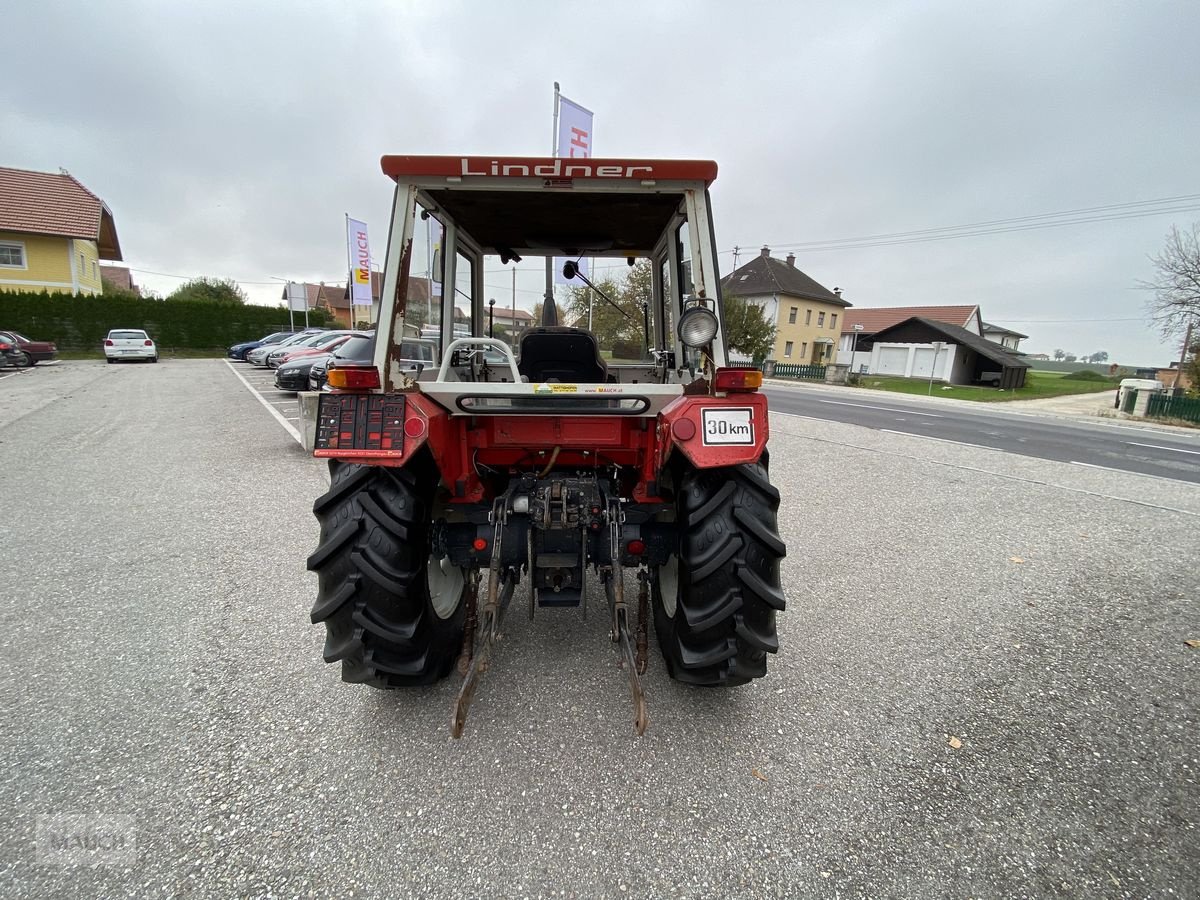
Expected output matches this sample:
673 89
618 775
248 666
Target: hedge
81 321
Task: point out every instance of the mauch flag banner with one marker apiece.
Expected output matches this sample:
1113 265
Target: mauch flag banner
574 140
360 262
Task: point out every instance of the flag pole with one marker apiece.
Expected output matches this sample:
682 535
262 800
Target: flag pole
350 267
549 298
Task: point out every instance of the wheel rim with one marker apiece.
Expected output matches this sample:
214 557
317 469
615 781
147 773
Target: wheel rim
446 583
668 585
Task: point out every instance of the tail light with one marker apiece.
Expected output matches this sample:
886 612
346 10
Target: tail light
6 346
738 380
353 378
149 343
108 343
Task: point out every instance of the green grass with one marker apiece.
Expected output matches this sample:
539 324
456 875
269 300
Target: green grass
163 353
1037 385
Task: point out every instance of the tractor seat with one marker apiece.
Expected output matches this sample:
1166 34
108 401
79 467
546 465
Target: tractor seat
555 353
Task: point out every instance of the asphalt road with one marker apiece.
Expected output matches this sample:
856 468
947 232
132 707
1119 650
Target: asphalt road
1128 448
157 666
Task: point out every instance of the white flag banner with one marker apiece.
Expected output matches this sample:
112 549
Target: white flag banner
574 140
359 250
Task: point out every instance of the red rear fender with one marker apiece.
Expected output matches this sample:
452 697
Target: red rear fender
715 431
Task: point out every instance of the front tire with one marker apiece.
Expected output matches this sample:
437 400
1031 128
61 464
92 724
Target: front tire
393 614
715 600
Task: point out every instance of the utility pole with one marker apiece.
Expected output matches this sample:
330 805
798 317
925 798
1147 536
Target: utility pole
1187 343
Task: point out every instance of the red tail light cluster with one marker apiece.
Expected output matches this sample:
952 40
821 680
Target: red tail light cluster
353 378
738 380
108 343
4 346
149 343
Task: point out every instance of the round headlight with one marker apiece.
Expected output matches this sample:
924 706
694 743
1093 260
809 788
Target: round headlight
697 326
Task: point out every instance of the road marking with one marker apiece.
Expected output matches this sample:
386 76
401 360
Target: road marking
1129 472
890 409
272 410
1158 447
925 437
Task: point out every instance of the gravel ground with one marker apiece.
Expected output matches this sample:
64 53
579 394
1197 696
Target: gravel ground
158 665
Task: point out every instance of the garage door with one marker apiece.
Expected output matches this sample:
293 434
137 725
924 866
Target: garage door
892 360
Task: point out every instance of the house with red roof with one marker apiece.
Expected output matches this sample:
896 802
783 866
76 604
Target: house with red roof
53 233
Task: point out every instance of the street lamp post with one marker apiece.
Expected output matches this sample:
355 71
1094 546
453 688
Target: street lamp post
856 328
491 307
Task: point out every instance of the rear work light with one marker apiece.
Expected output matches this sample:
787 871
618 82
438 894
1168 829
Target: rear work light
353 378
737 380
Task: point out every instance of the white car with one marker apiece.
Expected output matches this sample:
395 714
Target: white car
129 343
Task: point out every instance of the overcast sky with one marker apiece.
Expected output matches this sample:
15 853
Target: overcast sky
229 139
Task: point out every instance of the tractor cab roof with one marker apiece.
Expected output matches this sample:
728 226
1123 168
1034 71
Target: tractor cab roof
556 169
602 207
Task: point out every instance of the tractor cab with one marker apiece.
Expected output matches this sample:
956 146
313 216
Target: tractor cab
472 242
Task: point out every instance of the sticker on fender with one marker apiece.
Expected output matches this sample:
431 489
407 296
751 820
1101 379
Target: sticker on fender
728 425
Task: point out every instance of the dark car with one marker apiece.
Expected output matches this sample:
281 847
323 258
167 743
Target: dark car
31 352
239 351
10 354
417 356
359 350
294 375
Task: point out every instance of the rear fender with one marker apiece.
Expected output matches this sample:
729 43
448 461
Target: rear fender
714 431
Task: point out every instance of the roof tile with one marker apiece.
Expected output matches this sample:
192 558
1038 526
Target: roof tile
876 319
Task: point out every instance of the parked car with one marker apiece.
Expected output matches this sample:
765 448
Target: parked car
239 351
320 339
31 352
10 354
319 349
417 356
359 350
258 356
129 343
293 375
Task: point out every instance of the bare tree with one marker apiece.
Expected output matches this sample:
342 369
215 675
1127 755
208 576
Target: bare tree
1176 284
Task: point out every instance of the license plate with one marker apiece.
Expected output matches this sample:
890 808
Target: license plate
370 424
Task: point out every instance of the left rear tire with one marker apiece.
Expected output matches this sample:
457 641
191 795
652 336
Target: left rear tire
393 613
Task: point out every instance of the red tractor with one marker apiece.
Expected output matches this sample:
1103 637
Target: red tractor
543 453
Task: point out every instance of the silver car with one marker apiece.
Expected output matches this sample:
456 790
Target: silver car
258 356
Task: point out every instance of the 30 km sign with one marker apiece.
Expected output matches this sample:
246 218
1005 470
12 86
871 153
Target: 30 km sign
728 426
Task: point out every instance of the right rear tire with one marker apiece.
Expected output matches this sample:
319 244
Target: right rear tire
393 615
715 600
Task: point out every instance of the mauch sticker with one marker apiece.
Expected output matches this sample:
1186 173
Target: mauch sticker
728 425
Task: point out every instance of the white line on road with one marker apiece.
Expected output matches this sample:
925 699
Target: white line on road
925 437
272 410
1159 447
1125 472
890 409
